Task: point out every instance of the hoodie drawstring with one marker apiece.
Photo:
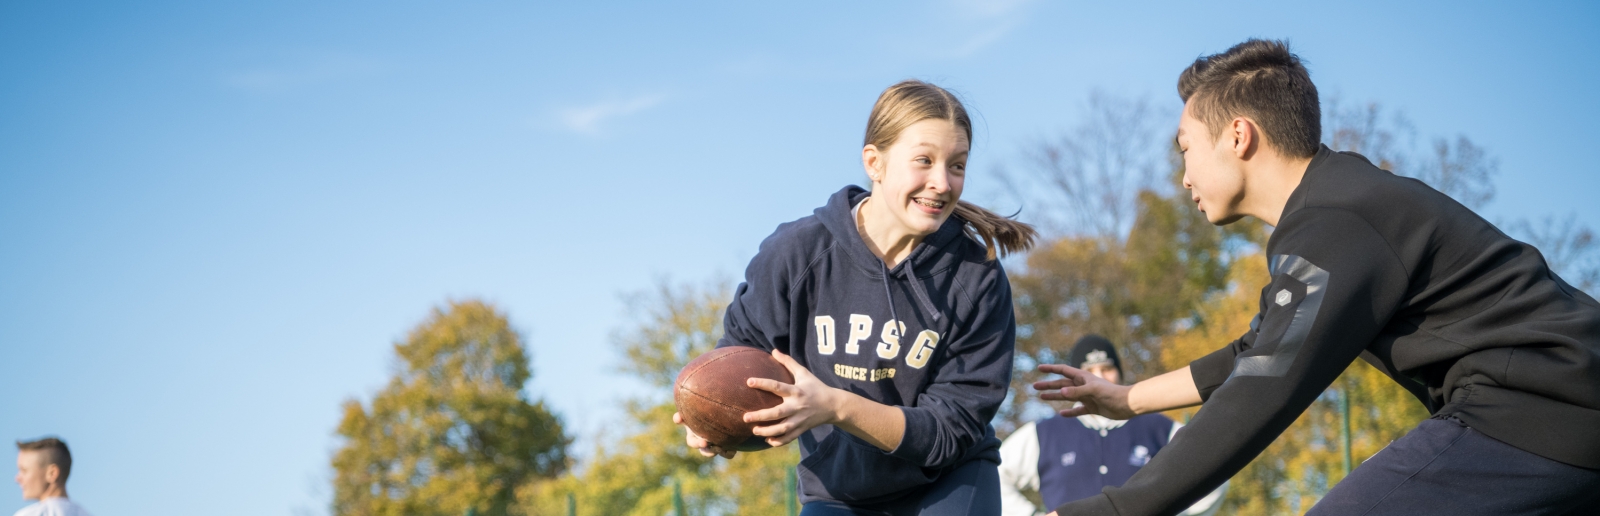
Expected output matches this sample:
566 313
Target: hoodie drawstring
916 288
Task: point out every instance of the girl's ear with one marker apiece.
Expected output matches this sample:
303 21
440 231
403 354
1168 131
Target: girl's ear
872 161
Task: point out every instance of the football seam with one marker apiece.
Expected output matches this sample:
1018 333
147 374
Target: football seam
705 365
707 398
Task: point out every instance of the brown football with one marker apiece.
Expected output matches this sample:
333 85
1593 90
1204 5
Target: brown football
712 396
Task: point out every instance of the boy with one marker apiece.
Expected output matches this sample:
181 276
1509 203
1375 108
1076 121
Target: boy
1504 354
42 469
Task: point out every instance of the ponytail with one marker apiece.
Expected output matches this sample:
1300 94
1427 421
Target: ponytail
1000 234
912 101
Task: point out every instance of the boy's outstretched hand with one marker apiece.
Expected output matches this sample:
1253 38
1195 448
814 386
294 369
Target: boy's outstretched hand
1095 395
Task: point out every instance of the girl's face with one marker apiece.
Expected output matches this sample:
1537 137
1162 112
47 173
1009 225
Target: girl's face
919 177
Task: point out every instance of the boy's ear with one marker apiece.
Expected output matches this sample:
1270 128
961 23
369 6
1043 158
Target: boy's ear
52 473
1243 136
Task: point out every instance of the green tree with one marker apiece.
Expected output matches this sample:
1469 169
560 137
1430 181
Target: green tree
632 473
453 430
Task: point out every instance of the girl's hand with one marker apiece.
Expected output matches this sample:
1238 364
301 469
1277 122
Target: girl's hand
807 404
694 441
1097 395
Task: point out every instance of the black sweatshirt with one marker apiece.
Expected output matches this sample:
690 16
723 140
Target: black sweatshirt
933 336
1366 263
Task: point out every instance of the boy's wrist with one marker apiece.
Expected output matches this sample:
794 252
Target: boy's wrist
1134 403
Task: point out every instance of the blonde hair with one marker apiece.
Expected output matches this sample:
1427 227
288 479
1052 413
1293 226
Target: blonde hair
912 101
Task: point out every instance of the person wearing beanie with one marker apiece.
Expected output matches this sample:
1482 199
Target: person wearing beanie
1070 458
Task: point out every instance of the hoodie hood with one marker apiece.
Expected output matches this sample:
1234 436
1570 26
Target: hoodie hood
838 217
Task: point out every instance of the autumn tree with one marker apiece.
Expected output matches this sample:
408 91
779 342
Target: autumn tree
633 470
1126 255
453 430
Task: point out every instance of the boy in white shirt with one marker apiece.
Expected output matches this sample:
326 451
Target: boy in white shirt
42 468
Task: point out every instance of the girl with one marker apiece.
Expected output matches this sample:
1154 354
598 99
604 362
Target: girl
895 321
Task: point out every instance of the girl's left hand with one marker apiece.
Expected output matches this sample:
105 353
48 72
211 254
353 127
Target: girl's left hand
807 404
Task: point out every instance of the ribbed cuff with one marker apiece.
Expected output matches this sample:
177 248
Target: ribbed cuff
915 444
1211 370
1097 505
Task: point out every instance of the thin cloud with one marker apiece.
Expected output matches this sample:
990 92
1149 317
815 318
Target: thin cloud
983 39
320 71
587 119
1000 16
988 8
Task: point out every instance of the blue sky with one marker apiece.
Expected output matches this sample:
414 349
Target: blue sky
215 219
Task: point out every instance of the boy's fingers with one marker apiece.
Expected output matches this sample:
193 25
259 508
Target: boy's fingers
1064 394
1080 410
1048 385
1063 370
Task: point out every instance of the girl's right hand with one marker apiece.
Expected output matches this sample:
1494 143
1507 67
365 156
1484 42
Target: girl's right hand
694 441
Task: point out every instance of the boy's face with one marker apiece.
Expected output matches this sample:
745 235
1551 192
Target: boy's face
31 474
1211 169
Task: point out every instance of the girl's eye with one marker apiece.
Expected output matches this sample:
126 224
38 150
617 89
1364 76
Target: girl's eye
924 160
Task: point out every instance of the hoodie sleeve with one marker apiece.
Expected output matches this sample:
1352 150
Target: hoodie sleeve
1335 284
970 381
758 317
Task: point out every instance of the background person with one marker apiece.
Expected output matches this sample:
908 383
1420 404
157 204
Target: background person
1070 458
42 470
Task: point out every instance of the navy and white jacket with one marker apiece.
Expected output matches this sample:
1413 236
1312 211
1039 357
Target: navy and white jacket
934 336
1066 459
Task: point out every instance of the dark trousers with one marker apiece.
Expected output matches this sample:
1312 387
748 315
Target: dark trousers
1445 467
970 489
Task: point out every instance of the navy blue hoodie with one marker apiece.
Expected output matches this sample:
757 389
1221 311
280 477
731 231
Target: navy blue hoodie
933 336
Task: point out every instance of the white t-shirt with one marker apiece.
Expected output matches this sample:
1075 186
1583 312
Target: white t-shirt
53 507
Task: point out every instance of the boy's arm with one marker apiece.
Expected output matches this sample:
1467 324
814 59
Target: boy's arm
1170 390
1335 284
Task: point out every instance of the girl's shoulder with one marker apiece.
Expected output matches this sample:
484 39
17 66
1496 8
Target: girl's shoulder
803 236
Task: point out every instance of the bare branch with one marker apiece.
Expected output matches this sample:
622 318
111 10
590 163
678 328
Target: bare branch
1462 171
1568 246
1087 180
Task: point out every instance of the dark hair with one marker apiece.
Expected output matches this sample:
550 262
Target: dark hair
54 452
1261 80
911 101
